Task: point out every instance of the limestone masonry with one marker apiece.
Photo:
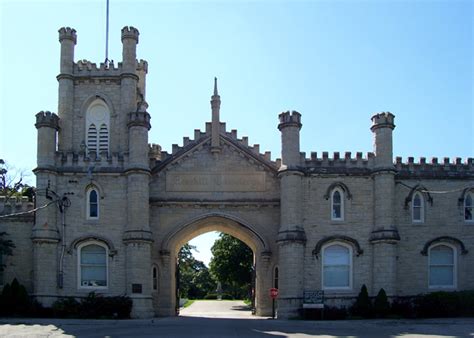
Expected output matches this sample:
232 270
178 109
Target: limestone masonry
122 208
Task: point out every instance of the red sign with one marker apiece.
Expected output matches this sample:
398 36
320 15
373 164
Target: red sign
273 293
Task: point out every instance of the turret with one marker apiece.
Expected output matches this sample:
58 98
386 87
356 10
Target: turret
68 39
291 235
215 106
290 125
382 128
129 51
138 127
47 124
128 85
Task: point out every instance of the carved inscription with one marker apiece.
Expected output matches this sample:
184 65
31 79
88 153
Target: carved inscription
220 182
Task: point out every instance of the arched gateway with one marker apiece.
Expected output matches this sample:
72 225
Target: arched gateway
165 302
327 223
214 182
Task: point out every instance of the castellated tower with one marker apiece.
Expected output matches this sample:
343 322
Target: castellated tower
384 236
45 234
291 236
99 162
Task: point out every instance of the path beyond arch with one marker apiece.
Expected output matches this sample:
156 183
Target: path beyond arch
218 309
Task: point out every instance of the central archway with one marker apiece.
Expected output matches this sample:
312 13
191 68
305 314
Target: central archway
231 225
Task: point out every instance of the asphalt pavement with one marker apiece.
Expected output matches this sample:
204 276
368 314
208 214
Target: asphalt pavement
229 319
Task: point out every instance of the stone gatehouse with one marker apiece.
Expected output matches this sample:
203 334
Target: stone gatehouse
120 208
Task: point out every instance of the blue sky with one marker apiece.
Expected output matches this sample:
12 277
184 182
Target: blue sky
336 62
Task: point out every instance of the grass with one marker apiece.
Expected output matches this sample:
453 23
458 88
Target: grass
189 302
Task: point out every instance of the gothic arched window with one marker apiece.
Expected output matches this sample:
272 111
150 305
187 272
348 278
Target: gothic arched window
442 266
92 203
418 208
337 205
154 278
337 266
93 266
97 117
469 207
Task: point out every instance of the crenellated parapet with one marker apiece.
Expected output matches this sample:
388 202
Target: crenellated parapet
47 119
18 207
139 119
130 32
67 33
383 120
289 119
447 168
83 162
338 164
201 136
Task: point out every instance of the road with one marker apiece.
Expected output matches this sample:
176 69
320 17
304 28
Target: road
227 319
218 309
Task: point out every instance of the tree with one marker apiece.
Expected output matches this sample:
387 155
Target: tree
195 281
12 182
363 306
232 265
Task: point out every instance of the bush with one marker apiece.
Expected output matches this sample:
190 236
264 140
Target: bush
445 304
381 305
363 306
14 300
93 306
403 307
66 307
210 296
227 296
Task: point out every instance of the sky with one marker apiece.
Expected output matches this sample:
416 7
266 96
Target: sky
336 62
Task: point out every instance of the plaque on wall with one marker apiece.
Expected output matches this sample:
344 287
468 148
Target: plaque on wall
215 182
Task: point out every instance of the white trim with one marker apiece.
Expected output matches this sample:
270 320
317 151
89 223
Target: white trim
455 267
471 195
341 194
79 266
88 203
351 263
422 208
98 114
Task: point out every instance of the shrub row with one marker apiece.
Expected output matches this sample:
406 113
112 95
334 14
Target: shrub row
431 305
15 302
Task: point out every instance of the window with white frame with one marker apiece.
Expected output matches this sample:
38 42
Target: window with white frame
92 203
442 266
337 266
154 278
97 127
468 207
418 208
337 205
92 265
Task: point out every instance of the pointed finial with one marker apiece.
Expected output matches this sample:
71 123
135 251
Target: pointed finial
215 87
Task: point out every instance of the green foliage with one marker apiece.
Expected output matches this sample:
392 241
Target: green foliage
6 247
363 306
381 304
11 184
14 300
232 265
93 306
211 296
445 304
195 280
